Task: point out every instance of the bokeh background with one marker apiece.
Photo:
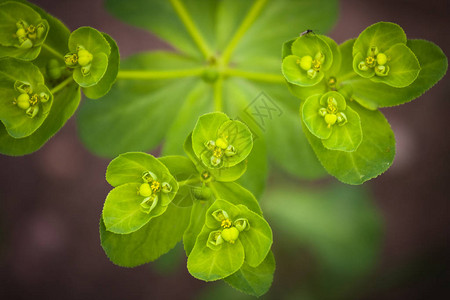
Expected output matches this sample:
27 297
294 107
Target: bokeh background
389 239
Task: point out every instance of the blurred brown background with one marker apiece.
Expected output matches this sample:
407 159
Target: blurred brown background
50 201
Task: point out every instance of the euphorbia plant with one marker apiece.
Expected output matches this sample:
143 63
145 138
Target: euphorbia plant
227 52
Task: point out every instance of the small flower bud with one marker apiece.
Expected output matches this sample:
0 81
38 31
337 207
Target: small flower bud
330 119
86 70
32 111
341 118
215 240
382 70
40 29
22 24
311 73
210 145
71 59
362 66
220 215
23 101
230 151
381 58
148 176
373 50
215 161
23 87
323 112
230 235
84 57
21 32
305 62
43 97
166 187
222 143
149 203
26 44
145 190
242 224
320 57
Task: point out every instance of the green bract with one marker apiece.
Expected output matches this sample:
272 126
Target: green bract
381 54
381 68
88 56
143 189
220 142
104 85
23 31
331 120
231 235
156 202
24 98
311 57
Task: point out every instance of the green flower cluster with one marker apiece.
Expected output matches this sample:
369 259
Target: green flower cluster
342 87
155 203
41 89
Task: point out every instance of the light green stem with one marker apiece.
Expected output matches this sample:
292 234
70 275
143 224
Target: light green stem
218 101
62 85
263 77
189 181
137 74
245 25
346 77
52 51
214 191
191 28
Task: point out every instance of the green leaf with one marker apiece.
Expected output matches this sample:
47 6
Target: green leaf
95 43
64 105
382 35
236 194
347 137
154 239
313 120
374 155
181 169
216 133
15 119
129 167
254 281
135 108
404 67
98 69
433 63
122 212
257 240
297 158
105 84
10 44
339 225
196 223
91 39
206 264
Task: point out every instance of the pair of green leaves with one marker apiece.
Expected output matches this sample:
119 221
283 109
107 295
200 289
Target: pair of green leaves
140 222
364 146
23 31
94 57
131 205
30 119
